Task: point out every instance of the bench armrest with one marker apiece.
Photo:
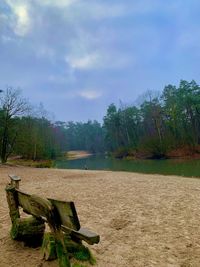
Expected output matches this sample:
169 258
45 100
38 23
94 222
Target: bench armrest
83 234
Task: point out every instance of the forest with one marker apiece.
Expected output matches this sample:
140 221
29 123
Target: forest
162 125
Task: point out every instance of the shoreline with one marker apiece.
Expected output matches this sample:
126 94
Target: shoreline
78 154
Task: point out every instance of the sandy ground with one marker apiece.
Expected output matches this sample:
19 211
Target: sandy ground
143 220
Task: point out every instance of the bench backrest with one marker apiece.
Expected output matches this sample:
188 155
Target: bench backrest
63 212
67 213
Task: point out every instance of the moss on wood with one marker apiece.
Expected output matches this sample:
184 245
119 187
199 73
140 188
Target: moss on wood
76 251
63 258
30 230
49 247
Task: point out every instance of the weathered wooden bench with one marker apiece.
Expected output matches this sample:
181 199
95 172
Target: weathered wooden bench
66 234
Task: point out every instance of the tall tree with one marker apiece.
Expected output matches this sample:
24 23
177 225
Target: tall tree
12 105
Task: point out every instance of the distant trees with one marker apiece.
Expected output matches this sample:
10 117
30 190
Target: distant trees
181 108
38 139
29 136
159 124
85 136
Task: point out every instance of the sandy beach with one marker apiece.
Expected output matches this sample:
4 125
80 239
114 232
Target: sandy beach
143 220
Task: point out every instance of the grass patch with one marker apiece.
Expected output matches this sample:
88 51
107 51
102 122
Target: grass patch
32 163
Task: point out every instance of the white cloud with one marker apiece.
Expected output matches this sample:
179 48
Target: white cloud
20 19
23 20
90 94
88 61
90 52
99 60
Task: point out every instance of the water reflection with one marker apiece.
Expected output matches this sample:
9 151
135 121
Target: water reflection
190 168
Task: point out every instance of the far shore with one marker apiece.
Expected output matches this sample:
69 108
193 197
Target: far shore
143 220
78 154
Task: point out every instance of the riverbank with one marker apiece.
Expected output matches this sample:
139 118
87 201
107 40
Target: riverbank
184 152
143 220
78 154
31 163
70 155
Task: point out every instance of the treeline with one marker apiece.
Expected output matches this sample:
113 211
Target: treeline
155 128
27 133
24 133
158 126
87 136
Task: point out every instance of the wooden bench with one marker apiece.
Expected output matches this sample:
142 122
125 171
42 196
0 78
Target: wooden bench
66 234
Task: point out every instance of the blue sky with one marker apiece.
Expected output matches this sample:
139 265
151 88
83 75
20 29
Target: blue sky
77 57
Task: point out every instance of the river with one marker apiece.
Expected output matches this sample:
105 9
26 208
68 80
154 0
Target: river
189 168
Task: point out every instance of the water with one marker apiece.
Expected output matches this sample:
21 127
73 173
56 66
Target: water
189 168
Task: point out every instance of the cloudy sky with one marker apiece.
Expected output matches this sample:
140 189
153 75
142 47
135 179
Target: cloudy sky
78 56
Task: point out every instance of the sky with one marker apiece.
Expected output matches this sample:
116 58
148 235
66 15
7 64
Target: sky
79 56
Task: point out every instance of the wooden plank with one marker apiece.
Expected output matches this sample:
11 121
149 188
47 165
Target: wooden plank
35 205
42 207
24 201
83 234
67 213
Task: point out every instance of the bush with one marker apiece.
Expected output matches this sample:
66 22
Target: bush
121 152
155 149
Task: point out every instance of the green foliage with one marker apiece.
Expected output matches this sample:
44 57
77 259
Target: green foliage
11 106
82 253
159 124
87 136
121 152
38 140
155 149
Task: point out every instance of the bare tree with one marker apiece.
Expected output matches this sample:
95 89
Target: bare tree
12 105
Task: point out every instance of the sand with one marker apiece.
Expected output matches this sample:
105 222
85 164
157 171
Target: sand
78 154
143 220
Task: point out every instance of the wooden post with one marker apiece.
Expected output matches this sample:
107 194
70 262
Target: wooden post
12 203
15 180
12 200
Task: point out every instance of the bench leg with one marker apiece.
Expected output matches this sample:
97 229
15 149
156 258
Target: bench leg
72 249
53 247
61 251
49 247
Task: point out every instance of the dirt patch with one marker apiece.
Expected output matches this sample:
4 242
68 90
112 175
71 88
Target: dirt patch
143 220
